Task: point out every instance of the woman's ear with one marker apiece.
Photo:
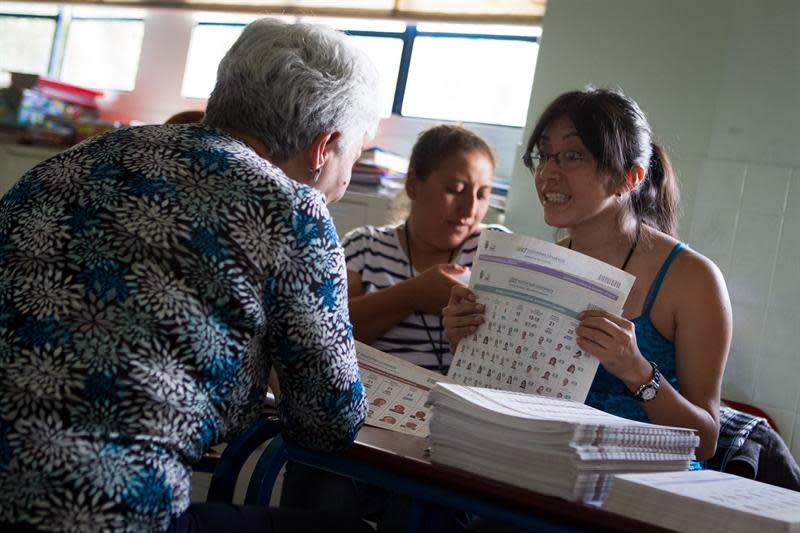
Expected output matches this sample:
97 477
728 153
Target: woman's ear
411 183
633 178
321 147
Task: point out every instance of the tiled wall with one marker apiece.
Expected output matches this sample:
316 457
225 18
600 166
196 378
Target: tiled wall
747 219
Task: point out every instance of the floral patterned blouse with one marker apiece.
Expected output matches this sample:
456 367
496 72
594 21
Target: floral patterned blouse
149 278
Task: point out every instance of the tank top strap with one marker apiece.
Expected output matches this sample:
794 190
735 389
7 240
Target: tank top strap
651 295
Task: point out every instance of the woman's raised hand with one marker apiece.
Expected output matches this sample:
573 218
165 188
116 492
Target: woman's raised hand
462 316
431 288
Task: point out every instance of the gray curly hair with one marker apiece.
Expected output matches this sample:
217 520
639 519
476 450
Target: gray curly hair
284 84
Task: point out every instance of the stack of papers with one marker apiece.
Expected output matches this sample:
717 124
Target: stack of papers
378 167
705 501
547 445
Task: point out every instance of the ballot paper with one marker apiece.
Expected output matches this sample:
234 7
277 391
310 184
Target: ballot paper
533 291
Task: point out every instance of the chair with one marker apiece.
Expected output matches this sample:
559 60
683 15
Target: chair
225 468
750 446
752 410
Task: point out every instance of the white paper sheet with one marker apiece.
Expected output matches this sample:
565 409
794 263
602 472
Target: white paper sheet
533 291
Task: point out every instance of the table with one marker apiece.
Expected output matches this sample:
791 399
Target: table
400 463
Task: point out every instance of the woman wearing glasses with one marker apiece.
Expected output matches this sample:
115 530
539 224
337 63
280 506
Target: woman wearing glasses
600 177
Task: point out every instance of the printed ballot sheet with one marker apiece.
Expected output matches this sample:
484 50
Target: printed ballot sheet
533 291
397 391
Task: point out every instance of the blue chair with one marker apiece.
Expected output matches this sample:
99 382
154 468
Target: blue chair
230 463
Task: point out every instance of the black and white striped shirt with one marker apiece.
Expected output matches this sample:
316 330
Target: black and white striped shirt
375 253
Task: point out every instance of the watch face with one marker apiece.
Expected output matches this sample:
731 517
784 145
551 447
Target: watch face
649 393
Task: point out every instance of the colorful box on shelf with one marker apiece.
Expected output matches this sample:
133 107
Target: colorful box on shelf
71 94
54 112
56 99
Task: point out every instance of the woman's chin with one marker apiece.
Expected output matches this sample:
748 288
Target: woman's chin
556 220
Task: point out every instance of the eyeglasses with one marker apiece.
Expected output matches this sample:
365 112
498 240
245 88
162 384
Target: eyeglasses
566 160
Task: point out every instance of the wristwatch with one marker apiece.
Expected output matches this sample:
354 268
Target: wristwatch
648 391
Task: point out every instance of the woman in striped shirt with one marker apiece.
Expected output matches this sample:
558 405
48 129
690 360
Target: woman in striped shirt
400 276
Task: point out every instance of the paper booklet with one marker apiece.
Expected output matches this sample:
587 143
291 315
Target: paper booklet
558 447
549 420
705 501
533 291
397 391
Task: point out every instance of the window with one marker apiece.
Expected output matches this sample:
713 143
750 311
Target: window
93 47
212 36
386 54
427 70
27 32
474 73
206 49
435 71
102 48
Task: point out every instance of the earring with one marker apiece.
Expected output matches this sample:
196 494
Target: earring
315 172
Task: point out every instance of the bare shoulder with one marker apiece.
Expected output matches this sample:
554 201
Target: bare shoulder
696 270
688 266
698 285
693 281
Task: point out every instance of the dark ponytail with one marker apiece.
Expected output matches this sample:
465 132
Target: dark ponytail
655 202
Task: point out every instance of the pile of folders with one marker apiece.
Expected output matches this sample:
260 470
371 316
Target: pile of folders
379 167
547 445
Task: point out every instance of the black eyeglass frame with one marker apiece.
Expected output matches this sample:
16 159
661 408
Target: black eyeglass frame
534 160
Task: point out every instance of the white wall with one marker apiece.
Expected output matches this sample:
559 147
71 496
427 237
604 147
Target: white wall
719 80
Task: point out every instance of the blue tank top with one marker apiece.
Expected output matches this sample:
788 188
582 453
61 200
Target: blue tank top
607 392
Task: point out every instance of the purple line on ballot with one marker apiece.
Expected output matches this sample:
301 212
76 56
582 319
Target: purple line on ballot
569 278
696 481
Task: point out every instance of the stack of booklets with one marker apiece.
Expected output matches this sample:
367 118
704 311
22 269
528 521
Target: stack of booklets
378 167
705 501
548 445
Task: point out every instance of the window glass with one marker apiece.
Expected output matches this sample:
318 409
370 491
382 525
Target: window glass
480 29
385 54
25 44
103 54
206 49
472 80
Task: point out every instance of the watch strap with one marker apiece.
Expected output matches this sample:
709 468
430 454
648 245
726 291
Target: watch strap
653 384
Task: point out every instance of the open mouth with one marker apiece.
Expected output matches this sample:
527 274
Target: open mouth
556 198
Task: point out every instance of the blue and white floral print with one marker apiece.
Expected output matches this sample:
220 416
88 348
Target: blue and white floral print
149 278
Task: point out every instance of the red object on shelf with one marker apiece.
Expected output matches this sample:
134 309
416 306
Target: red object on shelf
71 94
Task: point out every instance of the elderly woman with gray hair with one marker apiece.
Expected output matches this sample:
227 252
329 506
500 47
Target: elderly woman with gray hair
150 278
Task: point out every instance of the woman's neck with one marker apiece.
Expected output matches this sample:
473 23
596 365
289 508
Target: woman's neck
422 253
258 147
603 240
295 167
